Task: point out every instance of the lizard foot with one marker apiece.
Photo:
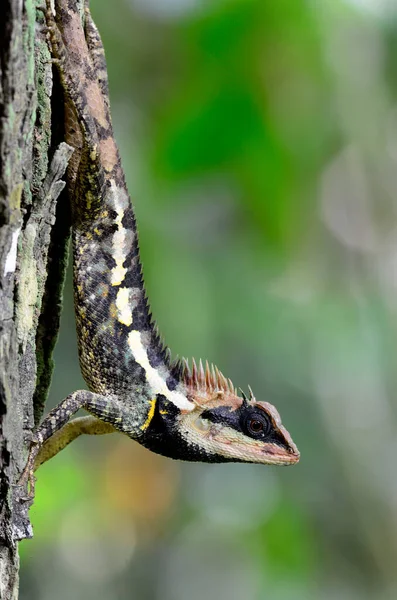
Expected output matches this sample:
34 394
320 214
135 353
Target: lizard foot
27 477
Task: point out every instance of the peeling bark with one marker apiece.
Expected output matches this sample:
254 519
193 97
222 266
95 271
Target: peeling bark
33 256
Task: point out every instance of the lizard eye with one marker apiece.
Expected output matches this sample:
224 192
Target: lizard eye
257 425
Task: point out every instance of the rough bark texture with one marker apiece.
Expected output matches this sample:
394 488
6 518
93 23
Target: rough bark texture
33 250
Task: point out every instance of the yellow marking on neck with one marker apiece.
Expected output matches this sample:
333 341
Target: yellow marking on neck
150 414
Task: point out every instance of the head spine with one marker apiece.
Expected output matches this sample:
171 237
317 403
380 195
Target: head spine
208 379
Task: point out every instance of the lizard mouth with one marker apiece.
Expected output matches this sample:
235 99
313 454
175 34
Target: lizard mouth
278 455
269 453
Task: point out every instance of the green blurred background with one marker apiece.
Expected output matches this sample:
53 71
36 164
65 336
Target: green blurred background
259 139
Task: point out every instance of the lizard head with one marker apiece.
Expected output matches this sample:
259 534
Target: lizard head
221 425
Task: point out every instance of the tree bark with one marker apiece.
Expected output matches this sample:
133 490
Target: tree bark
33 255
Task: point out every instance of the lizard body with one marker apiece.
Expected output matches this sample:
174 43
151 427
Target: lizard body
134 387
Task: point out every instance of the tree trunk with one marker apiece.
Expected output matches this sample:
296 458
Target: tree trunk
33 255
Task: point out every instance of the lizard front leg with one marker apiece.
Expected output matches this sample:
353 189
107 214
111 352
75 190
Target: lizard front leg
106 408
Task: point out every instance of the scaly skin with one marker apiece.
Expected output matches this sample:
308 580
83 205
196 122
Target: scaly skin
190 414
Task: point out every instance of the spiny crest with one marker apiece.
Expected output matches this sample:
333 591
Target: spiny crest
247 401
206 379
162 350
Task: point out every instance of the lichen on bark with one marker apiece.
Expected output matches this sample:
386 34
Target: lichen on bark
33 255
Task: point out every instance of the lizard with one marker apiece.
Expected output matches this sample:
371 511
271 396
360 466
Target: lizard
192 413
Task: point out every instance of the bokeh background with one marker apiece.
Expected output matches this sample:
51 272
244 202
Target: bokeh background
259 139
